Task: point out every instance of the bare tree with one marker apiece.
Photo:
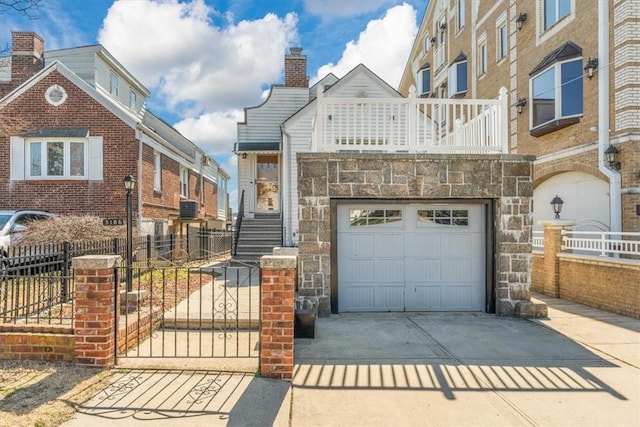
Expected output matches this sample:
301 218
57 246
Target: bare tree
28 8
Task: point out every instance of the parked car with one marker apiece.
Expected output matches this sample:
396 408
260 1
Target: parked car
12 224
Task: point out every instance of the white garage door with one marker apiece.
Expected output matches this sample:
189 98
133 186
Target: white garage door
411 257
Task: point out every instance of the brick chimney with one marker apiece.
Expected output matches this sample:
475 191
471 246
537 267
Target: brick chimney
27 56
295 69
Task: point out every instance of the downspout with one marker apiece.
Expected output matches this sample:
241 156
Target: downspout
615 198
139 186
286 169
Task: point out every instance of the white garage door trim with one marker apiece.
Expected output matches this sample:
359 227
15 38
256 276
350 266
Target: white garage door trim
411 257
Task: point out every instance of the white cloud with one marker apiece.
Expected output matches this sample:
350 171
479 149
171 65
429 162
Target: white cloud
341 8
383 46
197 66
213 132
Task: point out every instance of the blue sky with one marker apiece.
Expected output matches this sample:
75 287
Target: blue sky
205 60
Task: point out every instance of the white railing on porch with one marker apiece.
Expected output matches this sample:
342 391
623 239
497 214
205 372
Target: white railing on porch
414 125
537 242
601 243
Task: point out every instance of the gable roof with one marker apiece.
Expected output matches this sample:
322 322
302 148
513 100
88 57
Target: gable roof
126 116
359 69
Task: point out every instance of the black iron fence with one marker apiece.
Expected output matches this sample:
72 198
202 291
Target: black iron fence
36 281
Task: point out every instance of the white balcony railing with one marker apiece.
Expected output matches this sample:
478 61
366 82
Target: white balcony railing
601 243
439 56
414 125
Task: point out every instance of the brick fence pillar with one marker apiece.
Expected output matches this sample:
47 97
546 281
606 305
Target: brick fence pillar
277 301
94 327
553 246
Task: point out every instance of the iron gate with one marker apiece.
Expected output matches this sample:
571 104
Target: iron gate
181 312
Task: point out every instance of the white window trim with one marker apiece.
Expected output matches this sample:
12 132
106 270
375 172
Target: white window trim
545 34
453 79
184 182
29 143
460 15
482 42
157 171
114 84
558 94
420 81
133 100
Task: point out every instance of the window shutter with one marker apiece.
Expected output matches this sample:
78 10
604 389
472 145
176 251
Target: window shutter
95 158
17 158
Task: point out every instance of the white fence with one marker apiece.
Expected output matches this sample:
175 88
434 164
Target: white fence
414 125
537 240
601 243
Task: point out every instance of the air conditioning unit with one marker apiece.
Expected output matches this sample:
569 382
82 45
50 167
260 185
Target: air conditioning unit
188 209
206 160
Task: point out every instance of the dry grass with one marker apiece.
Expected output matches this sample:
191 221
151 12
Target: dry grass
45 394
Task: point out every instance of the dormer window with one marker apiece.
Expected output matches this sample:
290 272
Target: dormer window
458 76
424 76
556 90
113 84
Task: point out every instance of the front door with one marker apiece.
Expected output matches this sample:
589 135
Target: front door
267 183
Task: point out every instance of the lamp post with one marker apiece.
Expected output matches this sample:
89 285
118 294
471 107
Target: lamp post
129 185
557 203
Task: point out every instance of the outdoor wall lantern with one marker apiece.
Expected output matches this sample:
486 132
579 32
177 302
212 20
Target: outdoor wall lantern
520 20
129 185
443 26
433 41
520 104
612 157
557 203
592 64
244 156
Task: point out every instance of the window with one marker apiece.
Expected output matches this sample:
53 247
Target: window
502 42
427 44
57 159
460 13
482 60
425 81
133 100
157 171
554 11
222 193
368 217
113 85
458 76
556 92
184 183
456 217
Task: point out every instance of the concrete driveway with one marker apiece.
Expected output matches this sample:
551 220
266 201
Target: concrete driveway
444 370
580 367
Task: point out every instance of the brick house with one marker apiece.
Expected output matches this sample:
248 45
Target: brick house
77 124
563 80
395 203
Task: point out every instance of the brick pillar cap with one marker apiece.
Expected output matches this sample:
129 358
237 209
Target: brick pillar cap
556 223
285 251
278 262
96 262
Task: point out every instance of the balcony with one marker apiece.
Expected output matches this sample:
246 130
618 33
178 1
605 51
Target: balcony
411 125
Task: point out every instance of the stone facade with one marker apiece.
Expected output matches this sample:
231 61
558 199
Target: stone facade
504 182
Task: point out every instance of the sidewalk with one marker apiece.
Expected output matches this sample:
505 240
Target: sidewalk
579 367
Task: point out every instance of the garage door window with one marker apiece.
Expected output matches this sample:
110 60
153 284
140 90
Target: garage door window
368 217
452 217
